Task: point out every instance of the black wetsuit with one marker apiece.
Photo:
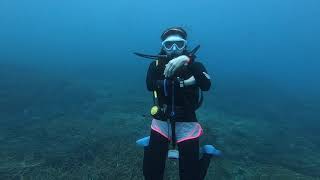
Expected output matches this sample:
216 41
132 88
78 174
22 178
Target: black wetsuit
186 98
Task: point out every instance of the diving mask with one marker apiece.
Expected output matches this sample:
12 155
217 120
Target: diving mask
174 43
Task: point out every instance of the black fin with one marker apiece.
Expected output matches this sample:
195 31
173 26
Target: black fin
150 56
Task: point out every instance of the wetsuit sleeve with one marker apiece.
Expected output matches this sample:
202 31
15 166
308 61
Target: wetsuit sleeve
201 76
151 77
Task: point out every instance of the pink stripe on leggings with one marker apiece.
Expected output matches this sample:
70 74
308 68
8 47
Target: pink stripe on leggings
159 131
192 137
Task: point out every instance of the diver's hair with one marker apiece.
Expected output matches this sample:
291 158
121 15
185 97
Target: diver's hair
174 30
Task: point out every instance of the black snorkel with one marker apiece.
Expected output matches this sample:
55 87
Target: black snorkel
162 56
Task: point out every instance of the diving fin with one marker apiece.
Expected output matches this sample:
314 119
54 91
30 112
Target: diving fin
192 52
174 154
211 150
143 142
150 56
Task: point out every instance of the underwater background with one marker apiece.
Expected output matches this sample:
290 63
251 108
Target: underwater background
73 98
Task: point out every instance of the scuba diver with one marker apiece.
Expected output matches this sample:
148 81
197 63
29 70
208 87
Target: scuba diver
176 81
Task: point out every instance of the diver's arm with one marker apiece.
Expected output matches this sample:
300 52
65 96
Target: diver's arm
202 79
154 84
150 80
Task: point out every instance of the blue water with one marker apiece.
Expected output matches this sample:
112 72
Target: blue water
72 93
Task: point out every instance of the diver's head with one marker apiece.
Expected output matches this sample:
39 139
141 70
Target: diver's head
174 41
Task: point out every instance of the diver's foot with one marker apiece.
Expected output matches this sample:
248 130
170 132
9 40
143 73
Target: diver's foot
143 142
173 154
209 149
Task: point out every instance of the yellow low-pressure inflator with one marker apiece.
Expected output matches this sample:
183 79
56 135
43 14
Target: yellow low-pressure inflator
156 112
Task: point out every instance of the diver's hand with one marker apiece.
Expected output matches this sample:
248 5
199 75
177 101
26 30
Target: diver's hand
174 64
189 82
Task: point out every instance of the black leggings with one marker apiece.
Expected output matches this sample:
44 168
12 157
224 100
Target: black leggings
190 167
